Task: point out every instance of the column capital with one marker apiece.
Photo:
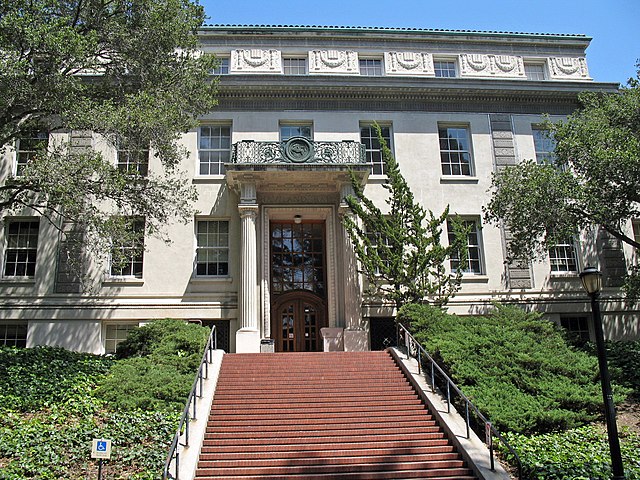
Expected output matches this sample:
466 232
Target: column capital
248 211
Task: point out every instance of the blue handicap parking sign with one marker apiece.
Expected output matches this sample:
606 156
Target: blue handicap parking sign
101 446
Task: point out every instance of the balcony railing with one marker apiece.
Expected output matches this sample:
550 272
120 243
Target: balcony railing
298 150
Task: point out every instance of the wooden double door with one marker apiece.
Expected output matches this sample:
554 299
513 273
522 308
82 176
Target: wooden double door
298 309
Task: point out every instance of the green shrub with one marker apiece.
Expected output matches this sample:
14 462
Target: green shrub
624 363
579 454
516 367
32 378
157 365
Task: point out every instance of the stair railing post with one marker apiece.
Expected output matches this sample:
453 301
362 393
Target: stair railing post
448 396
433 378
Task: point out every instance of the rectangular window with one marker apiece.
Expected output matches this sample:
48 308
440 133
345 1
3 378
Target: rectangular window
214 149
133 162
445 68
544 144
577 327
636 230
127 257
13 335
288 130
115 334
373 149
22 248
455 150
562 256
212 251
294 66
377 241
474 248
534 71
27 147
371 67
223 66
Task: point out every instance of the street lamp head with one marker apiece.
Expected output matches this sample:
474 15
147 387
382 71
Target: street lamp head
591 280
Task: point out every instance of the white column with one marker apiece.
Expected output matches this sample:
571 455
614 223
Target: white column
248 336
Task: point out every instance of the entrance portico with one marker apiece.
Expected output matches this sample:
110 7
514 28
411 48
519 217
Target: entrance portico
298 275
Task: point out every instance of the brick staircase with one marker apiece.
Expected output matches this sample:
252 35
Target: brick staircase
342 415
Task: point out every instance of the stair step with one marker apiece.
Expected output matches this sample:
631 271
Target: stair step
371 439
309 419
277 427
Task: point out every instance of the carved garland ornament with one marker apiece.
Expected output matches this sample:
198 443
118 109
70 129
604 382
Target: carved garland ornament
339 61
408 63
256 60
569 67
474 64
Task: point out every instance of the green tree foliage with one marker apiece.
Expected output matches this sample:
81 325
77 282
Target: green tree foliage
594 182
401 252
156 367
515 366
127 70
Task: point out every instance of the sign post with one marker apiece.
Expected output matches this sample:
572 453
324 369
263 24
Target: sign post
100 449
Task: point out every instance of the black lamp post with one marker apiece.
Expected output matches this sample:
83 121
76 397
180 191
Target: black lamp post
592 282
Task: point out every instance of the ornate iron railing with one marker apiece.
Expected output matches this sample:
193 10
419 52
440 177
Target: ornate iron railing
417 351
189 412
298 150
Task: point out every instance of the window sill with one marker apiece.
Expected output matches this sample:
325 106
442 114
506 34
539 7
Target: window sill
123 282
470 278
208 179
458 179
221 279
563 276
18 281
377 178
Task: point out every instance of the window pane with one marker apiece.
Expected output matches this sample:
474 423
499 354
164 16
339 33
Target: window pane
127 257
22 248
474 249
214 149
562 256
444 68
455 154
212 249
545 145
373 150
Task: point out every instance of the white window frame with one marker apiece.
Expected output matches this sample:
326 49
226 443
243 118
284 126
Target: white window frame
371 152
478 247
448 60
559 256
301 124
18 165
371 67
212 248
223 66
295 70
133 259
20 248
120 328
450 153
543 144
14 340
223 153
132 162
533 63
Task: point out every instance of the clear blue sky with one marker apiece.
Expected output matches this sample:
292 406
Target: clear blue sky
613 24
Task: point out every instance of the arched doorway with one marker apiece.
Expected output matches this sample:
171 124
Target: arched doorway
298 298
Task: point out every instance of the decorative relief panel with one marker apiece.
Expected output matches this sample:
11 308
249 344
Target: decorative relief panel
565 68
256 61
408 63
342 62
480 65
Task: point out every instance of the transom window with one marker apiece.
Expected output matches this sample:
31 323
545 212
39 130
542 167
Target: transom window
223 66
562 256
127 257
214 149
371 67
13 335
115 334
212 252
289 130
544 144
455 150
373 149
445 68
297 257
294 66
534 71
474 248
27 147
22 248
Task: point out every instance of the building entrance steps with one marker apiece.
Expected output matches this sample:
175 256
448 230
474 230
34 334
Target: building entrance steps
326 415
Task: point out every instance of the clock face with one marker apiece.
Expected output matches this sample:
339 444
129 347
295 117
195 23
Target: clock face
298 149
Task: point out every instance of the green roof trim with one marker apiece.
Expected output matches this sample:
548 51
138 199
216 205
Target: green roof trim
396 30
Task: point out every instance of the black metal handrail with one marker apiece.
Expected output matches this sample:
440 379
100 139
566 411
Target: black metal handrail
187 415
417 351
